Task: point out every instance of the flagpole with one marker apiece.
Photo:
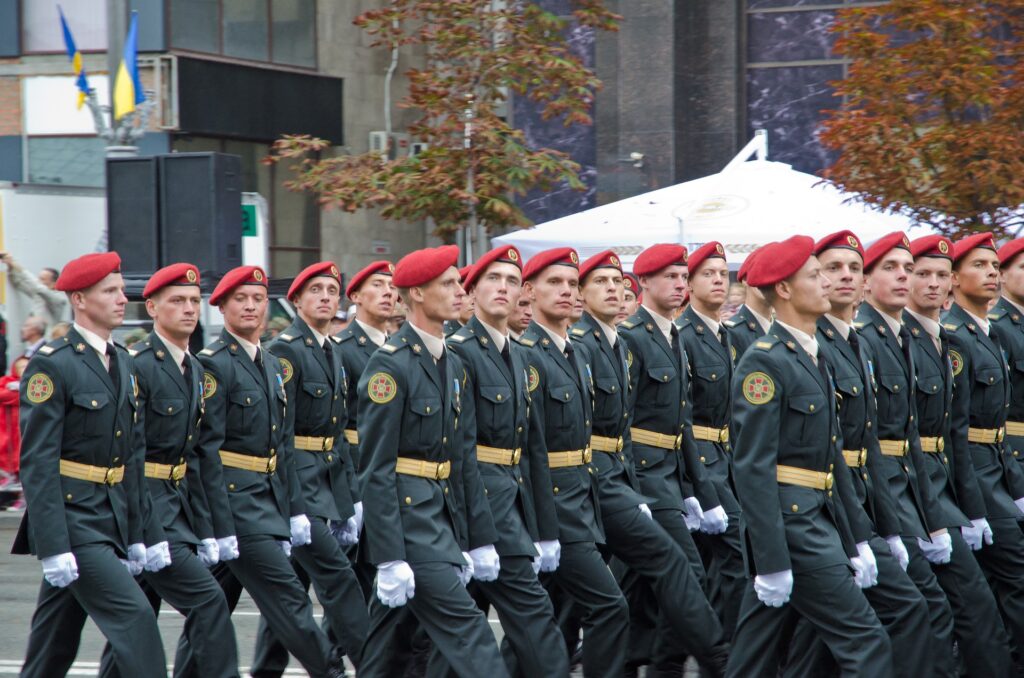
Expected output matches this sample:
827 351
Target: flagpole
117 27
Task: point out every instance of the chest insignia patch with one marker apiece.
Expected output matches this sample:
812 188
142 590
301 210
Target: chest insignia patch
209 385
39 389
758 388
534 381
287 369
382 388
958 362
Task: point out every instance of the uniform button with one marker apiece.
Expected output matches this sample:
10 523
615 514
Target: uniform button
906 468
869 424
991 379
498 398
590 470
1015 453
248 401
811 408
833 438
273 427
795 508
444 440
945 459
864 475
408 500
181 460
625 415
643 462
330 458
896 387
334 420
273 451
117 433
116 459
713 376
683 403
587 423
446 490
555 490
94 403
520 481
613 389
622 457
830 493
702 460
231 486
428 409
855 390
190 438
335 396
519 429
177 483
831 467
68 496
911 417
486 493
170 410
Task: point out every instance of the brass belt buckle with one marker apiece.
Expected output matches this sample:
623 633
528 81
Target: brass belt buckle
829 479
678 442
110 477
517 455
1000 434
588 455
862 458
272 464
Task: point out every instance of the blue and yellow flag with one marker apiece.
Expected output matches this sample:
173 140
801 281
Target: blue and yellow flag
76 60
127 86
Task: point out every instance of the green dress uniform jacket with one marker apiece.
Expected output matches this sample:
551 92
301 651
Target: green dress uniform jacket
1008 325
744 330
660 385
356 349
409 409
496 404
561 413
317 390
891 369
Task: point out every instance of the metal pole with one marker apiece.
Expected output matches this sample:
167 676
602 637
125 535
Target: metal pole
117 26
472 228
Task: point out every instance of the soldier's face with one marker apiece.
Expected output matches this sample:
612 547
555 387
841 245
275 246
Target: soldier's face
468 306
319 299
931 282
245 308
667 289
498 290
844 268
603 294
103 303
977 275
554 291
440 299
808 289
522 314
376 297
888 284
1012 277
175 310
629 306
709 284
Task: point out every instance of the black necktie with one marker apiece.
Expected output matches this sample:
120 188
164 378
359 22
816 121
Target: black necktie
186 374
330 357
442 372
115 376
506 355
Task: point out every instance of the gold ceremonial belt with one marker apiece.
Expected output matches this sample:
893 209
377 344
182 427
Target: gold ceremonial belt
933 444
816 480
248 462
424 469
714 435
986 436
571 458
314 443
855 458
352 436
665 442
165 471
894 448
606 444
498 455
1014 428
94 474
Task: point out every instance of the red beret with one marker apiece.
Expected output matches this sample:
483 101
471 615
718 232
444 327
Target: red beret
326 269
709 250
175 274
741 275
1011 249
606 259
657 257
463 272
932 246
630 282
87 270
779 260
843 240
381 267
506 254
972 242
243 275
882 246
422 266
565 256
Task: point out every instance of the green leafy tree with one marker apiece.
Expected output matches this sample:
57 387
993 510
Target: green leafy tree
477 53
932 119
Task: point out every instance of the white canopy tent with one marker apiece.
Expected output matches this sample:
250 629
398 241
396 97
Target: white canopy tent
745 206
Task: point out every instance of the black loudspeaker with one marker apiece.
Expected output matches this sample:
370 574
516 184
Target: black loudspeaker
133 214
201 212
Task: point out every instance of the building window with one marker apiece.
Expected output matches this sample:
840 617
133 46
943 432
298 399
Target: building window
67 161
274 31
294 217
41 31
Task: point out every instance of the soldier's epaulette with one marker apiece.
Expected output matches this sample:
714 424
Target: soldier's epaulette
730 323
578 331
55 345
390 348
628 324
214 347
952 327
526 341
118 344
995 316
765 344
335 339
458 337
346 334
284 336
859 324
141 347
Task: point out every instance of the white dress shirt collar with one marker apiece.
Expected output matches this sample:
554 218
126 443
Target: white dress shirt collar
375 335
497 337
435 345
664 324
177 355
807 341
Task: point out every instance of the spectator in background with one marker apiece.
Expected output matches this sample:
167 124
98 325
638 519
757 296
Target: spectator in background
10 438
340 322
33 335
275 327
397 318
47 303
737 294
59 330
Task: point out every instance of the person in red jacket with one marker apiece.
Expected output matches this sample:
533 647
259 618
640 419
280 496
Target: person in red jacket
10 438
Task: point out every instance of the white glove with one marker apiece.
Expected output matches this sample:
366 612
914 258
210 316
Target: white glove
550 553
60 570
396 583
136 559
898 550
868 557
986 530
646 510
228 547
465 573
208 552
715 521
286 546
158 556
537 559
1020 504
345 533
938 550
486 563
302 530
978 534
358 518
774 589
693 513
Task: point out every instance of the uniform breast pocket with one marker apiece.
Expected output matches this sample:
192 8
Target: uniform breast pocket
806 419
427 424
89 415
988 376
891 394
608 400
562 406
315 397
661 381
245 408
163 411
712 382
495 407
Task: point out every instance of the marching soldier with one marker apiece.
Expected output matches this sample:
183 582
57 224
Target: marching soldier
468 304
978 629
425 506
316 387
633 535
752 319
495 403
1008 323
247 428
710 356
520 318
84 486
798 541
630 297
561 389
888 264
170 409
981 402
